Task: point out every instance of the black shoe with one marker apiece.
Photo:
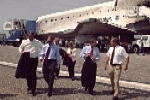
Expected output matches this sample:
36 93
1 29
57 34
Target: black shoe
86 89
72 78
90 91
115 98
112 92
49 95
33 94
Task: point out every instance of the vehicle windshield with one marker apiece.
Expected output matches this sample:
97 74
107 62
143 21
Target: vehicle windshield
145 38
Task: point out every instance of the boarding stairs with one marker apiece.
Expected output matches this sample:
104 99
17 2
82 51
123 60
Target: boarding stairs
15 34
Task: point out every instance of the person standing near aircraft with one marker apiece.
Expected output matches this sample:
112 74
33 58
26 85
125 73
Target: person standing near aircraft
32 46
141 49
91 56
72 59
51 56
56 42
115 57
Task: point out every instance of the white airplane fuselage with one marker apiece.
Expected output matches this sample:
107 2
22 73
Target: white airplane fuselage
118 13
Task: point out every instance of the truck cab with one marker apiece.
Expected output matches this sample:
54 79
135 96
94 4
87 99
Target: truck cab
135 46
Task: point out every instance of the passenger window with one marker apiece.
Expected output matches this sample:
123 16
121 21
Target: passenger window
55 19
51 20
62 18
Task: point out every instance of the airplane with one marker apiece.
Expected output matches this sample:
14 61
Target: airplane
118 17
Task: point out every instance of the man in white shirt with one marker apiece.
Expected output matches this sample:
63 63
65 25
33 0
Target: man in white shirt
31 45
115 57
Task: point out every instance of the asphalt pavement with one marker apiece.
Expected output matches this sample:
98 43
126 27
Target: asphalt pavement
65 89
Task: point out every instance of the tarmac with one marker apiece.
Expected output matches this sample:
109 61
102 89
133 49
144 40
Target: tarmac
135 83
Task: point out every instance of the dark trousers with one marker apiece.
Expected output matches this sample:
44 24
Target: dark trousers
57 72
92 78
31 76
141 50
71 68
49 68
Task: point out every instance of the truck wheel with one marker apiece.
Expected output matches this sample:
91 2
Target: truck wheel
135 49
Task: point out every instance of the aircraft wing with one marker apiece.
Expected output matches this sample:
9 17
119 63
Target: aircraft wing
94 27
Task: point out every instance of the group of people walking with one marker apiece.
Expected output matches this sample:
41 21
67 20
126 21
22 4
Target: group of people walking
50 56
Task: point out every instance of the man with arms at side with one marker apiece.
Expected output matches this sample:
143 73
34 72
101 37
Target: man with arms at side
56 42
32 46
115 57
51 56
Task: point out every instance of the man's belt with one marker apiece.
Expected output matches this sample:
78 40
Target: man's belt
115 64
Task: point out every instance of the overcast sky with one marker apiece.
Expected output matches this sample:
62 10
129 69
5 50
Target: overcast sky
31 9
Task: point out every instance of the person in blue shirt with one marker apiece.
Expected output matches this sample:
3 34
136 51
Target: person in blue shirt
56 42
50 55
91 56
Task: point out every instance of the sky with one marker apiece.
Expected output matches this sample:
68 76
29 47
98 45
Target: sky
32 9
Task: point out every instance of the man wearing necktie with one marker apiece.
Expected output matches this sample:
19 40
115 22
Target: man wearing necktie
115 57
51 56
91 56
56 42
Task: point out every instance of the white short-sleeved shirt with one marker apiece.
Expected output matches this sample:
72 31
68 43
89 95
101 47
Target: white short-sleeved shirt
119 55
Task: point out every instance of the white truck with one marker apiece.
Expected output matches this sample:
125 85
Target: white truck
135 45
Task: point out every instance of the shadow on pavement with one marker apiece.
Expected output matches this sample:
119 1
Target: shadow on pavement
63 77
58 91
65 91
127 93
3 96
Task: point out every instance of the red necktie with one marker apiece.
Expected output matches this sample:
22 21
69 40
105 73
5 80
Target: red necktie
70 51
47 53
91 53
